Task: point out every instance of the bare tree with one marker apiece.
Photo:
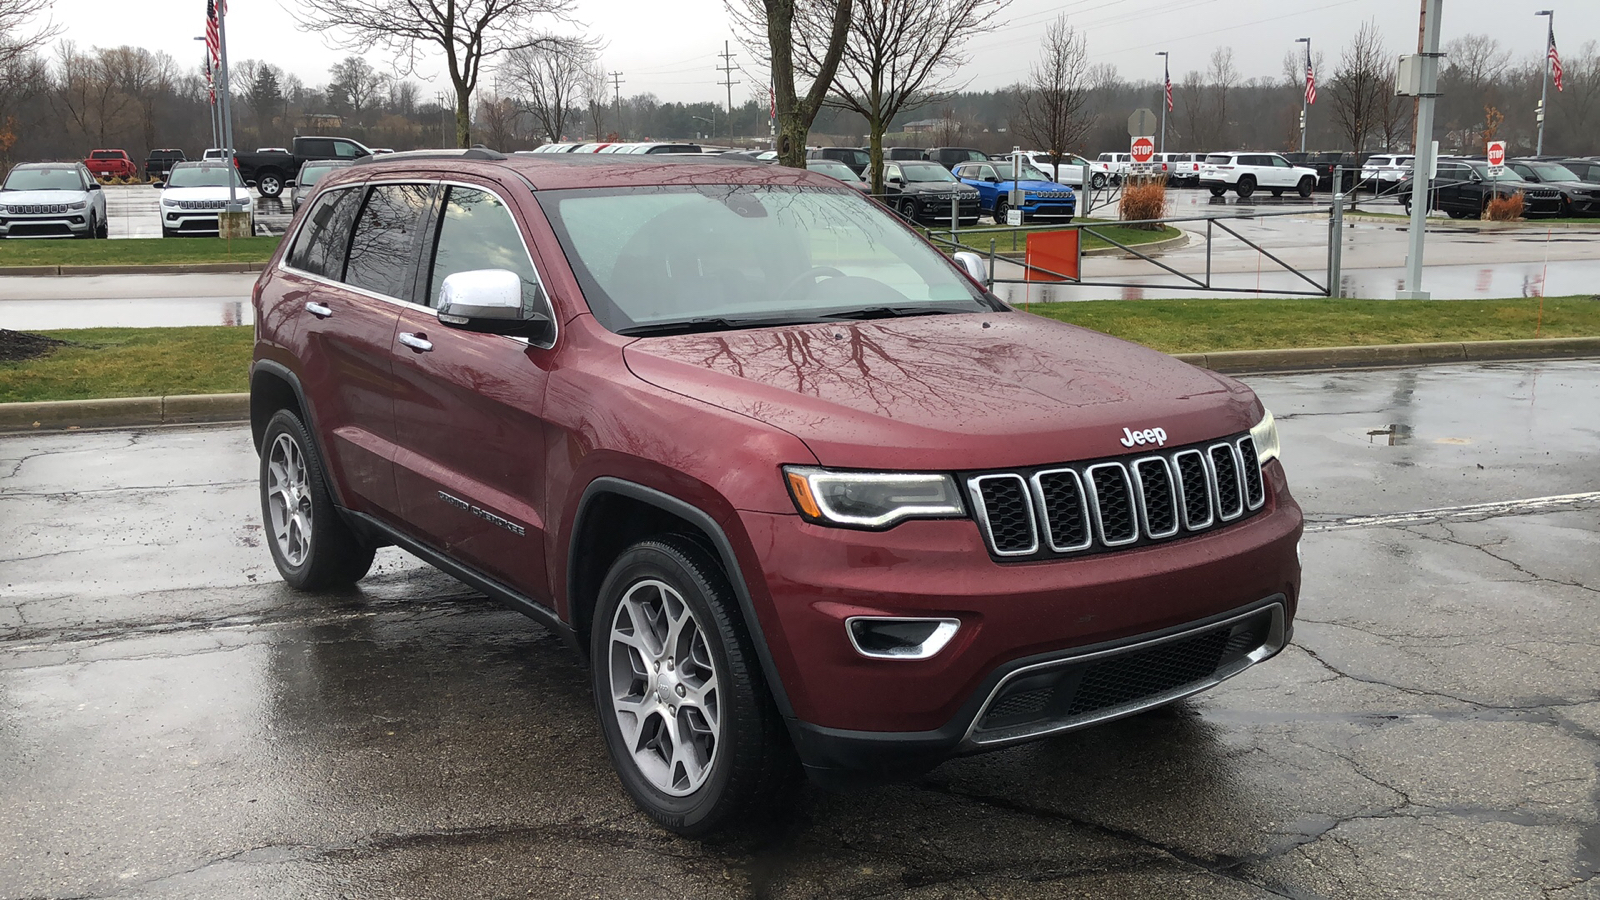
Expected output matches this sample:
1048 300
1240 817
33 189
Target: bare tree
1224 76
900 54
1052 108
20 35
547 79
88 93
144 77
596 92
355 84
1359 84
468 32
497 116
770 28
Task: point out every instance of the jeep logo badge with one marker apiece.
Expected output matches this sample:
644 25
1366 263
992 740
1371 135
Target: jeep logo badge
1157 436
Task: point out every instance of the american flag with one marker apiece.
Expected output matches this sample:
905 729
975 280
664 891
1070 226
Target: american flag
1555 62
210 83
214 28
1311 86
1169 92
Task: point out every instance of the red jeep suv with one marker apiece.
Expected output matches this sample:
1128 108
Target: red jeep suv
803 494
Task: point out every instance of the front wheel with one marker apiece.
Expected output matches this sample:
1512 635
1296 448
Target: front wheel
1307 185
695 737
908 210
311 545
1000 211
270 184
93 231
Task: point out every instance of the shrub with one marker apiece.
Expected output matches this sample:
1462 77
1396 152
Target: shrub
1144 198
1505 209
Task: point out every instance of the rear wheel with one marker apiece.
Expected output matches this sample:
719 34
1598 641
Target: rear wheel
1246 186
1307 185
311 545
695 737
1098 181
270 184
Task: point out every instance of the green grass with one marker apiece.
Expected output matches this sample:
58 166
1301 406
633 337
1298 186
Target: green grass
147 252
1211 324
144 362
1015 241
133 362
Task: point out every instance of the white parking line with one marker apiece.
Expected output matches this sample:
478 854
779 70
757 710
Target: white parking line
1471 510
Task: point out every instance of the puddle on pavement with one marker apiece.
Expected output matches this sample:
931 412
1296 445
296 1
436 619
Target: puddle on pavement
1393 435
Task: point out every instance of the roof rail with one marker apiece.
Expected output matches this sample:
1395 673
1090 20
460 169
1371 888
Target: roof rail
477 152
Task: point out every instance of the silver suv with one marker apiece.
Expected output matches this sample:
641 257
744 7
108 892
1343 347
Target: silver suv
52 200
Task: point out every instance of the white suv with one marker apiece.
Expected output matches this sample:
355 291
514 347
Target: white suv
1072 170
1244 172
1384 173
1109 168
52 199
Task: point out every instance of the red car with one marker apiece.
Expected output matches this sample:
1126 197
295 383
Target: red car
111 164
803 494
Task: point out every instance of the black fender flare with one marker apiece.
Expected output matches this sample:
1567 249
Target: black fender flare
287 375
723 548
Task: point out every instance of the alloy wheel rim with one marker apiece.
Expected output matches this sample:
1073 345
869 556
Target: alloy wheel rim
289 500
664 688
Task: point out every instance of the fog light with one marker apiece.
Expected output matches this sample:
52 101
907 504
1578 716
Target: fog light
884 637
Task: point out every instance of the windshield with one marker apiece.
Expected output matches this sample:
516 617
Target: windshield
832 169
310 175
925 172
1029 173
1553 172
202 176
677 259
22 179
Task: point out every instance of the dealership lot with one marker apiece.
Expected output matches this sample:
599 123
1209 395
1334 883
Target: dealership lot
133 211
175 723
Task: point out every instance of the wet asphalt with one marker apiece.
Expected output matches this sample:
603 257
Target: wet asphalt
175 723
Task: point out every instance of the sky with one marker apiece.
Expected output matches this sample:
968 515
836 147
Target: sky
669 47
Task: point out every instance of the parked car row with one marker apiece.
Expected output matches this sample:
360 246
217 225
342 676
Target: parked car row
1464 187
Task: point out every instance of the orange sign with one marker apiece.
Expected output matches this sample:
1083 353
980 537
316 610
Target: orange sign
1056 252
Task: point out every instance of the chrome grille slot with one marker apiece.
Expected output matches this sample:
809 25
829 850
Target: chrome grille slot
1065 509
1255 492
1195 486
1157 498
1225 481
1111 501
1006 513
1095 506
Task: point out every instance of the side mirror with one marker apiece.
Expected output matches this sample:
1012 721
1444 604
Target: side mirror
159 185
991 179
490 301
896 179
973 264
94 185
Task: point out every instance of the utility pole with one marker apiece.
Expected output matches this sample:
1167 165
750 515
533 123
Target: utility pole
1544 83
1427 88
226 87
616 90
1166 89
1305 92
726 69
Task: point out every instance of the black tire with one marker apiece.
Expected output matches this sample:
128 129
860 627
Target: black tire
999 210
1098 181
908 209
752 770
105 231
93 230
1307 185
1218 191
332 555
1246 186
269 183
1457 213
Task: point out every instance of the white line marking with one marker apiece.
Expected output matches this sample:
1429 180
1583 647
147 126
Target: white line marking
1495 508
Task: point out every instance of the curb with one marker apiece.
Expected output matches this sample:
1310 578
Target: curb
123 412
196 409
162 269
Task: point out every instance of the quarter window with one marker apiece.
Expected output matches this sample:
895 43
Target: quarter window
476 231
320 247
380 249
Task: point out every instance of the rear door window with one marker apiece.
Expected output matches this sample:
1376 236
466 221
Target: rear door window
321 245
381 246
477 231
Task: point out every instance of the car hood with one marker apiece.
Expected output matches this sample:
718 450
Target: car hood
201 193
1580 187
43 197
953 392
1038 186
944 188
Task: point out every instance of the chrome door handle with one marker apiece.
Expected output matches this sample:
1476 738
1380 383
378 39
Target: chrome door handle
416 342
318 310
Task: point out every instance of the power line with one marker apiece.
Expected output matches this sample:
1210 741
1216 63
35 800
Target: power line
727 69
616 87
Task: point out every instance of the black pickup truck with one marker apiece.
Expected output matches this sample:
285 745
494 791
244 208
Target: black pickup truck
272 170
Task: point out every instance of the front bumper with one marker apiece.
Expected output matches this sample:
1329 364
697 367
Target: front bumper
1050 209
54 225
1046 617
189 221
938 210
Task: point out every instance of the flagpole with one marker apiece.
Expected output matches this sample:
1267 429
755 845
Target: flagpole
1544 84
1305 94
1166 85
227 109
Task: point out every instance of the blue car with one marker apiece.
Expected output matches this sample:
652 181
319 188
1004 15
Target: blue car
1043 199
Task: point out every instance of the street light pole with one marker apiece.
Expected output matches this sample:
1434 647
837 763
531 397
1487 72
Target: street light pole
1305 95
1166 82
1544 83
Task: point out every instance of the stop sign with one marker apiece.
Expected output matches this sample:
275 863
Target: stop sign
1144 149
1497 153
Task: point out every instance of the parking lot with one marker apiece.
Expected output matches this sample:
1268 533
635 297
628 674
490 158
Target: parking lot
133 211
175 723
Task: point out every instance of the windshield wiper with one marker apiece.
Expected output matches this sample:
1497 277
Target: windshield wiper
890 312
713 323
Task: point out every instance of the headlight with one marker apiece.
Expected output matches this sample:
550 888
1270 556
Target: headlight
1264 434
871 499
81 204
